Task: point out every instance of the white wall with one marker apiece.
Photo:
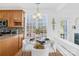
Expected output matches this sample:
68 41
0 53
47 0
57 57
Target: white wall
25 26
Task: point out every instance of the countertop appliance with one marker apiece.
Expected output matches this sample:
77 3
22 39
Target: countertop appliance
6 31
0 32
3 23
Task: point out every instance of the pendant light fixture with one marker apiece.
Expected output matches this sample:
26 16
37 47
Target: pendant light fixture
37 14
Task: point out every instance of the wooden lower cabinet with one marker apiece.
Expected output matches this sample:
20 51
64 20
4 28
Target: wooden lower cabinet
10 46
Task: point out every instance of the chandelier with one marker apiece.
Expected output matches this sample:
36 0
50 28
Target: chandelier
37 14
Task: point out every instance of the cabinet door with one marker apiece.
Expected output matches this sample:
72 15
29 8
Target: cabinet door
2 15
9 16
17 16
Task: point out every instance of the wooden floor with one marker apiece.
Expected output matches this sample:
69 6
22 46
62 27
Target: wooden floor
28 53
57 53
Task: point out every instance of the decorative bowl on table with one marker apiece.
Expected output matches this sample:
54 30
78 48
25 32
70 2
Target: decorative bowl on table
38 46
40 50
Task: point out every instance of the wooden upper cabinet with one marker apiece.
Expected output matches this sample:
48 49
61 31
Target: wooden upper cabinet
15 17
2 15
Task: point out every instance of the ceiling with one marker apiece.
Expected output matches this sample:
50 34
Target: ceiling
45 7
27 5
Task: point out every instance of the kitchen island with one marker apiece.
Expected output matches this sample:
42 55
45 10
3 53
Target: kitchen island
10 44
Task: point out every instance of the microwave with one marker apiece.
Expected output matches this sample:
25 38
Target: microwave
3 23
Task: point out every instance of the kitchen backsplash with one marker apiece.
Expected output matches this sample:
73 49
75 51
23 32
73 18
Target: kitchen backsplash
15 30
18 30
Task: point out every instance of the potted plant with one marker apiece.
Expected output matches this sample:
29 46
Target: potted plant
38 46
40 50
38 31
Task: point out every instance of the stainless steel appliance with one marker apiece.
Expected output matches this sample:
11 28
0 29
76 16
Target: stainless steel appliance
3 23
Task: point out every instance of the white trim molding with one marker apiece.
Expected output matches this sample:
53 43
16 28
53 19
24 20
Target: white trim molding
67 48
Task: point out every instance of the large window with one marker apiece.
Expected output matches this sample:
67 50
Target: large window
33 24
63 28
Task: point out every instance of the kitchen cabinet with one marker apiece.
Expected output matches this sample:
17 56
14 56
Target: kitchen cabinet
15 17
